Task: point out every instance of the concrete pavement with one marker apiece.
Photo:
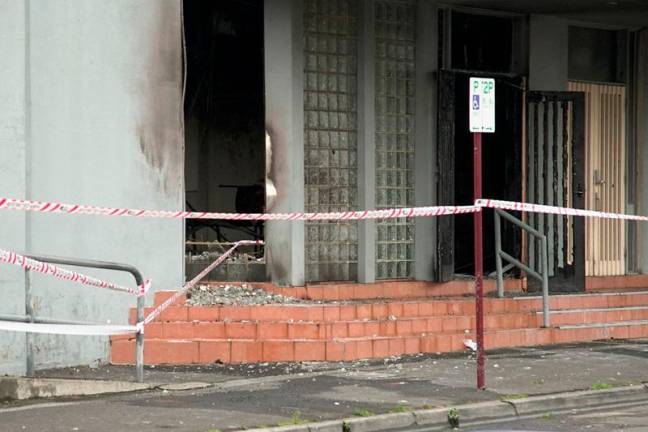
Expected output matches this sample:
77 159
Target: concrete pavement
268 395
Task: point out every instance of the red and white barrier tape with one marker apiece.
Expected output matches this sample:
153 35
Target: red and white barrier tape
69 329
563 211
68 275
186 287
76 329
50 207
98 329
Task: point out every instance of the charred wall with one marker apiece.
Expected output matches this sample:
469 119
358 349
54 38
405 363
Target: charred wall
95 88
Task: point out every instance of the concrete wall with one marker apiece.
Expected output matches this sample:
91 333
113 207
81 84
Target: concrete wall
99 121
12 172
548 53
284 73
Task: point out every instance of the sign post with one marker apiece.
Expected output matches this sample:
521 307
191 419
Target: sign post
482 120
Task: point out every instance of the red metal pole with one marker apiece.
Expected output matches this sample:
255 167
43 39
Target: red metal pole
479 261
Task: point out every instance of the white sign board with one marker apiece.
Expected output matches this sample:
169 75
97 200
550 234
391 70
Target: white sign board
482 105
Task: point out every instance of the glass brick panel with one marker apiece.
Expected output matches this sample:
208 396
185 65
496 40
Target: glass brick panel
330 135
395 78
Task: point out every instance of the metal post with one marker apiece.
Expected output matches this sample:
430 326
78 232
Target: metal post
545 282
479 262
139 280
29 312
139 342
498 256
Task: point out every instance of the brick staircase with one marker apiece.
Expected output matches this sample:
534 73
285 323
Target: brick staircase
375 328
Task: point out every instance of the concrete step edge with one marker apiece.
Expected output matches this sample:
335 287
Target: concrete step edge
610 309
628 323
21 388
370 321
585 294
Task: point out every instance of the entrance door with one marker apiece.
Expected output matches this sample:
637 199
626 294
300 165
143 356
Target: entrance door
555 176
501 168
605 174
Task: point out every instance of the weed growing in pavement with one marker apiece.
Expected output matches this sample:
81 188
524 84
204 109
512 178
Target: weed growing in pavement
214 430
295 419
601 386
514 396
363 413
427 406
547 416
400 409
453 417
346 427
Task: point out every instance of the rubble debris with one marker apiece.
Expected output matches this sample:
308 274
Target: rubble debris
230 294
235 257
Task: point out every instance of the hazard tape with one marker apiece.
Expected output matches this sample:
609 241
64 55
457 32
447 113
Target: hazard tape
563 211
186 287
68 275
98 329
69 329
393 213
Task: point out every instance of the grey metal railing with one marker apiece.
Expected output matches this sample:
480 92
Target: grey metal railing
542 276
31 318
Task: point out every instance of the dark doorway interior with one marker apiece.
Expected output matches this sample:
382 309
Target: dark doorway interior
476 45
224 115
501 169
481 42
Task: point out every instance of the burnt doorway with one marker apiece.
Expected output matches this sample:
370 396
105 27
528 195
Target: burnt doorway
501 169
224 113
556 167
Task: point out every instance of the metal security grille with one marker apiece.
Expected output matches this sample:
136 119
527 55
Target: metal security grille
395 75
550 179
330 135
555 168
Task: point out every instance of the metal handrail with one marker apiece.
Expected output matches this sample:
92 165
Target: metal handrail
543 275
106 265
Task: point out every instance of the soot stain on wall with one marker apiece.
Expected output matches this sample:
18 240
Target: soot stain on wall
159 126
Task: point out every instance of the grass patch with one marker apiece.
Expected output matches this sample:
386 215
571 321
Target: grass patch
214 430
295 419
346 427
427 406
601 386
547 416
363 413
514 396
400 409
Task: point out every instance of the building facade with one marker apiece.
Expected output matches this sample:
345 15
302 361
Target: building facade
166 104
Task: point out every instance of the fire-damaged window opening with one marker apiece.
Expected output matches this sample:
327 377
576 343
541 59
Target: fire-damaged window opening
462 55
224 133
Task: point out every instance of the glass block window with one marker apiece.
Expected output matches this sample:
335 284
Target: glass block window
330 136
395 77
